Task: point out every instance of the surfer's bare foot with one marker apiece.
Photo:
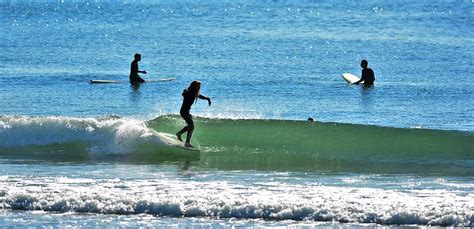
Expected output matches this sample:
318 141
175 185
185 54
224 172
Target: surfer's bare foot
188 145
179 137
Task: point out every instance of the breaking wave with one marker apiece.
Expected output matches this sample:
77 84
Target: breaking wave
243 144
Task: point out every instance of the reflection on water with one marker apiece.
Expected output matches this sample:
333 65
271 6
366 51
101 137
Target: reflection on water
367 97
135 93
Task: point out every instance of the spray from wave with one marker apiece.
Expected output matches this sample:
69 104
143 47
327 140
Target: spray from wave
107 135
69 138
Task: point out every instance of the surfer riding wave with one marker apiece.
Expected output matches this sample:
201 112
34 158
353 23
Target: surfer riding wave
190 96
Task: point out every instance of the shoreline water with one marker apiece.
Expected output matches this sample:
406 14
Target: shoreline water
264 197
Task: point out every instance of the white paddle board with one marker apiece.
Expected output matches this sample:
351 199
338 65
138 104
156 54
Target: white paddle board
171 140
126 81
350 78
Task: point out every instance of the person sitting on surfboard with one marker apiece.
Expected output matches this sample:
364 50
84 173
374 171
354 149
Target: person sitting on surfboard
134 77
368 75
190 96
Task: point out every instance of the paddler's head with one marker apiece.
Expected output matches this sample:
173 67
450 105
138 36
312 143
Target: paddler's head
364 63
138 56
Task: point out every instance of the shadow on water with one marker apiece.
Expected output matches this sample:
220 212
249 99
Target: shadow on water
78 153
183 167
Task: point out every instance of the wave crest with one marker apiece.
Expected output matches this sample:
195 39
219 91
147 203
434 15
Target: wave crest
111 135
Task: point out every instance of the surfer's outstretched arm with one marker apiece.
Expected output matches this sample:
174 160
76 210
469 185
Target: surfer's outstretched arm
205 98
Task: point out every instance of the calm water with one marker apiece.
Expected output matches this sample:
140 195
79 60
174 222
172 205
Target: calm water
74 153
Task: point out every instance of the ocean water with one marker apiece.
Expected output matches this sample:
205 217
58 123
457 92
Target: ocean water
92 155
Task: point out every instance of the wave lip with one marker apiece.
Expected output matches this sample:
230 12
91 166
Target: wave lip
109 135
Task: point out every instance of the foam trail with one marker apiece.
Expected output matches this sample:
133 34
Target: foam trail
220 199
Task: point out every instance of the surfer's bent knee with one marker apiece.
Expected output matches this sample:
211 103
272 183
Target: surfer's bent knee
189 120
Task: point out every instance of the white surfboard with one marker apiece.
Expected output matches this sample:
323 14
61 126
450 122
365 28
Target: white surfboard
171 140
350 78
127 81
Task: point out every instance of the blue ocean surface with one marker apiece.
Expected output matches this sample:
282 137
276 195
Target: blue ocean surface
76 154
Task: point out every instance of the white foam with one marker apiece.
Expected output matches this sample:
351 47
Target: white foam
224 199
111 135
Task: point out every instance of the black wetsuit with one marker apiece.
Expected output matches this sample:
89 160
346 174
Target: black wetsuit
134 77
188 101
368 76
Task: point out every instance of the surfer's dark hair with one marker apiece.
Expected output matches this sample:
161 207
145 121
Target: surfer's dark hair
194 88
137 55
364 62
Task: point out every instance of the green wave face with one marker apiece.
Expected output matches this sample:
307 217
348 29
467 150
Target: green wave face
301 145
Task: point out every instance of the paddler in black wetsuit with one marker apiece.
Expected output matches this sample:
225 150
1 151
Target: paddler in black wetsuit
190 96
134 77
368 75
